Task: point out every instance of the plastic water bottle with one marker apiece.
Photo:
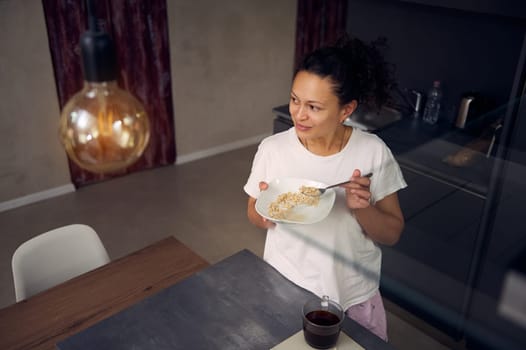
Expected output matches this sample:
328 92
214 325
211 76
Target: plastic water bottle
432 107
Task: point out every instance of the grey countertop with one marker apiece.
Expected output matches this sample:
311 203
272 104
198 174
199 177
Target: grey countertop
239 303
423 148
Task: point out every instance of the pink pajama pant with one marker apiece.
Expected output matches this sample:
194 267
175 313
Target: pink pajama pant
371 315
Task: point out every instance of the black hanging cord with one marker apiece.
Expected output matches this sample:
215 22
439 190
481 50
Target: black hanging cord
98 51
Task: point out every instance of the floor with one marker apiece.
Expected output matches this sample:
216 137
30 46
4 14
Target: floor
201 203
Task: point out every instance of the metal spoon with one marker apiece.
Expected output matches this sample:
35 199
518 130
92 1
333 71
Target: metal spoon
315 191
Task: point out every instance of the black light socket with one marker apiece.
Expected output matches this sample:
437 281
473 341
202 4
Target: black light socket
98 56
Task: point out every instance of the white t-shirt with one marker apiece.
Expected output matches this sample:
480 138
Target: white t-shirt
332 257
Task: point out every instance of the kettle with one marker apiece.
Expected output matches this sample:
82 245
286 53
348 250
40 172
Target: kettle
463 111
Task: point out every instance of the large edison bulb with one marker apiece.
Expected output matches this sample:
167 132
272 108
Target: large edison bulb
104 128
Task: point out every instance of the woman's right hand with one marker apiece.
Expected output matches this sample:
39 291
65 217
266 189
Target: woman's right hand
253 215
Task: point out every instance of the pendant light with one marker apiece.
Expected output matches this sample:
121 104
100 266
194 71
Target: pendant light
103 128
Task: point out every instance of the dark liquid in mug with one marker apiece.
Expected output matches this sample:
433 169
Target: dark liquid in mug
322 318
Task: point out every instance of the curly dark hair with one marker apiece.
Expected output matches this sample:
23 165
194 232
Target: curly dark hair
357 70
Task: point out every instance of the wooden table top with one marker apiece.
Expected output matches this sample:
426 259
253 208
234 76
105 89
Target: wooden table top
48 317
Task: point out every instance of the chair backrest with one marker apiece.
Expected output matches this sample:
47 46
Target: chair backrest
54 257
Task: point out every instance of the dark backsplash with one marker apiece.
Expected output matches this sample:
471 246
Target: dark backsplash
467 51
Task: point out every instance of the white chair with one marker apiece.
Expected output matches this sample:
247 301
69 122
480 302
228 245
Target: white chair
54 257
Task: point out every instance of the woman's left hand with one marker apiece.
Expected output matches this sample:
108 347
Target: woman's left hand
357 192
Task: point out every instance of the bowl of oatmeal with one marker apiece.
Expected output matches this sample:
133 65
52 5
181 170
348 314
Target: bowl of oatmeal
285 201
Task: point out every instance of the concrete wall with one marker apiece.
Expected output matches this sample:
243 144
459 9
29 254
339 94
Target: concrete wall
31 157
231 62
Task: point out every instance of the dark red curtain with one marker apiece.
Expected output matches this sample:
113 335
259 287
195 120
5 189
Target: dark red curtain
319 23
140 31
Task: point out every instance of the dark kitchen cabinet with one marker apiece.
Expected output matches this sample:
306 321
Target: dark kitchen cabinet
437 216
430 265
456 254
432 271
463 231
464 234
434 253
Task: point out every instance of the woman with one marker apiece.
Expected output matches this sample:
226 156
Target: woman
338 256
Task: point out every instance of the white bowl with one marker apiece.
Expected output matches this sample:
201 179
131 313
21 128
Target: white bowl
300 214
